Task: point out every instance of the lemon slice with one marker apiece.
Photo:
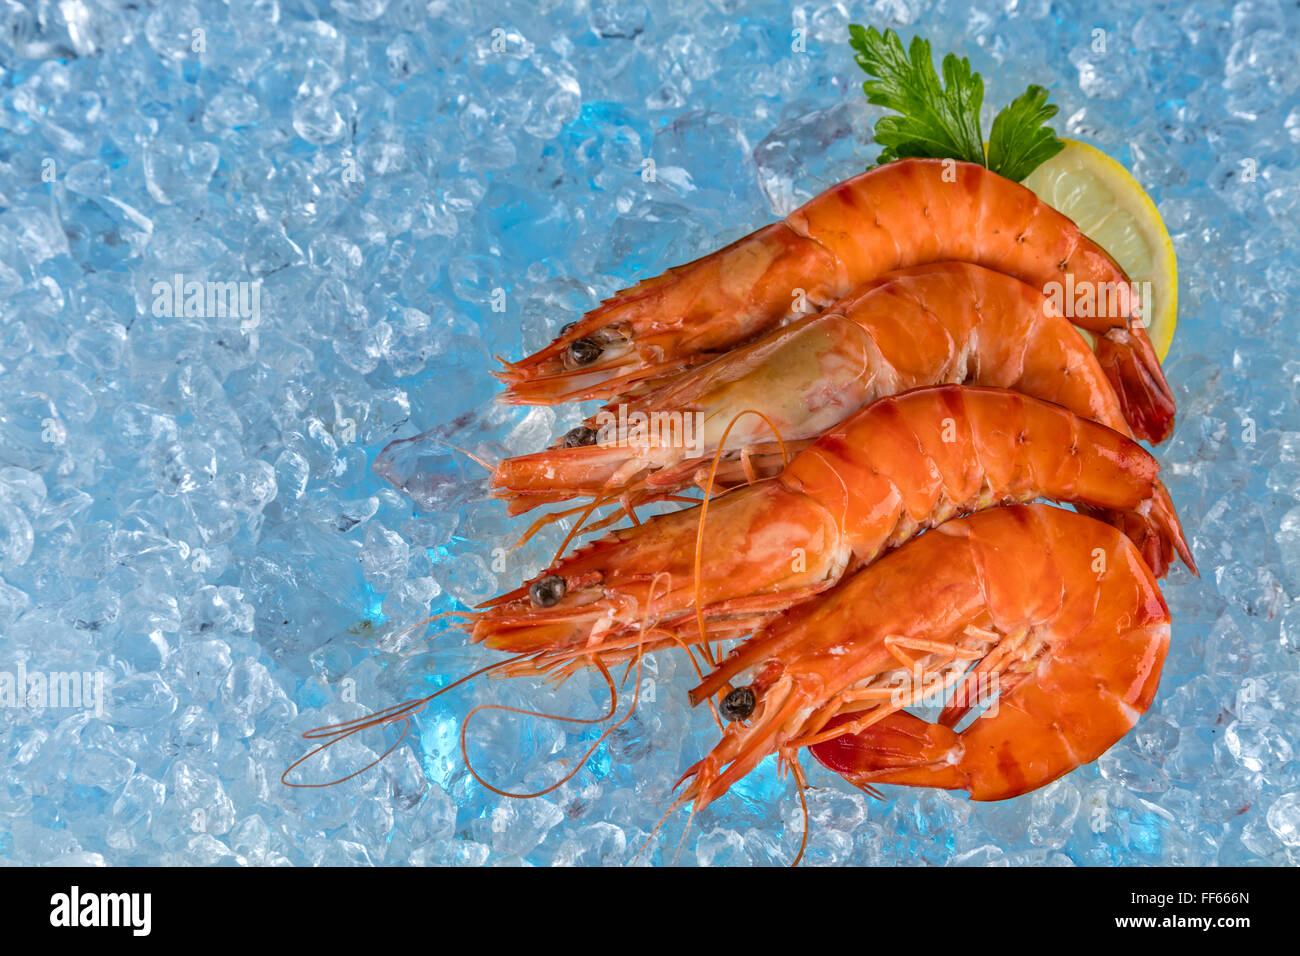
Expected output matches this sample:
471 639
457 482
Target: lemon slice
1115 212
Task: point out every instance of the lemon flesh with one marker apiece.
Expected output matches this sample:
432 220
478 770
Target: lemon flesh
1114 211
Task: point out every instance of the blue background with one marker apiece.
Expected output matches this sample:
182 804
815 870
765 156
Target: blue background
187 503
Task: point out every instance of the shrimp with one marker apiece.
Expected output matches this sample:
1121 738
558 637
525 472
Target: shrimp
1055 611
924 325
902 464
904 213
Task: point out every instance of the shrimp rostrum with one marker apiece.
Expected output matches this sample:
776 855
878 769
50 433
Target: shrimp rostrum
1052 614
903 464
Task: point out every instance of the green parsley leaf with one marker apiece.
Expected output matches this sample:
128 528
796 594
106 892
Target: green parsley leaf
1020 141
938 121
941 119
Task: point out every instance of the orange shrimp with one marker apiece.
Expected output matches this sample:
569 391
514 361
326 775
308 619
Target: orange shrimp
924 325
904 463
1055 612
904 213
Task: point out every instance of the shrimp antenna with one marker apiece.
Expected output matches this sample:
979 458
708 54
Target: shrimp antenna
386 642
801 783
654 832
334 733
545 521
398 713
626 507
681 844
613 709
468 454
584 511
582 520
664 819
704 511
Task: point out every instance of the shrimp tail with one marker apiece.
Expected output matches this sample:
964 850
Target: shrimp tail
1169 530
1154 527
1130 364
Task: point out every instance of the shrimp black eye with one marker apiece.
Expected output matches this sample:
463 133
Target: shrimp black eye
584 351
564 329
547 592
739 704
579 437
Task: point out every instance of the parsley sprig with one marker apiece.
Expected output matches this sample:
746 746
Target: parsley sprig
941 120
